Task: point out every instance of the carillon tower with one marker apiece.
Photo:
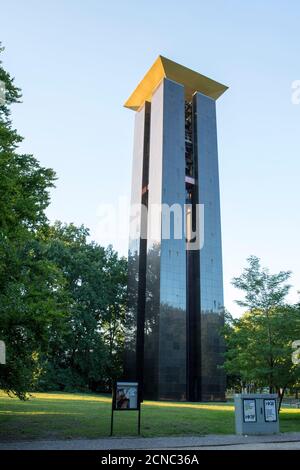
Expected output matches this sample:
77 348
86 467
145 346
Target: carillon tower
175 287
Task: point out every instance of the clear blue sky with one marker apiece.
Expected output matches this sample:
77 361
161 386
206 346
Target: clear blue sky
77 61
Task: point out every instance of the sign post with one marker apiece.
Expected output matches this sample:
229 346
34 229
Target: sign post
125 398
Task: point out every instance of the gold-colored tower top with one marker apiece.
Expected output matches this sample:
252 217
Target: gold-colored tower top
166 68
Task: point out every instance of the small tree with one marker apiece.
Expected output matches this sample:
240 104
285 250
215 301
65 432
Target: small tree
259 344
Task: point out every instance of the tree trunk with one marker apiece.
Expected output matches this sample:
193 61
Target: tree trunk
281 395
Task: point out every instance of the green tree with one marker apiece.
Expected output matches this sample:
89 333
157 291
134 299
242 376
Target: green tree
30 286
259 344
62 298
85 351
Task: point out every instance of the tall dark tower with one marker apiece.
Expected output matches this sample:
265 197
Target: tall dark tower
175 285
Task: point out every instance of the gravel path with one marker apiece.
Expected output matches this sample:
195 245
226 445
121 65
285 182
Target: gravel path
226 442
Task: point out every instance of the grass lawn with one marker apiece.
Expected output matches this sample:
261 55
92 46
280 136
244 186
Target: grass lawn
71 415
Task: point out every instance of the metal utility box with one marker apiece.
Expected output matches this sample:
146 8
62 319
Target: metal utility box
256 413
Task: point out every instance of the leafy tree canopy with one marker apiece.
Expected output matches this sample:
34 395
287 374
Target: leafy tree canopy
259 343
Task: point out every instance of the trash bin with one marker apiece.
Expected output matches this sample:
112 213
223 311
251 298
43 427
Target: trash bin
256 413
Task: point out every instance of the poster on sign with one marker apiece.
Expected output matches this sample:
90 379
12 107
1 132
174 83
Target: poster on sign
249 410
270 410
126 396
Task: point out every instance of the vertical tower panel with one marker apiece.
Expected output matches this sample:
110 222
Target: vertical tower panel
165 321
211 280
134 345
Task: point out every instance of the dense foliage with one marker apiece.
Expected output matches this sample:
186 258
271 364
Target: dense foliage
61 296
85 347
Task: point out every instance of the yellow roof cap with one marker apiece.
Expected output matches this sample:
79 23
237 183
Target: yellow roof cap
166 68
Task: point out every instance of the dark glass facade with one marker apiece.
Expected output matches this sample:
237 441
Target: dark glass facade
175 307
210 256
165 314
